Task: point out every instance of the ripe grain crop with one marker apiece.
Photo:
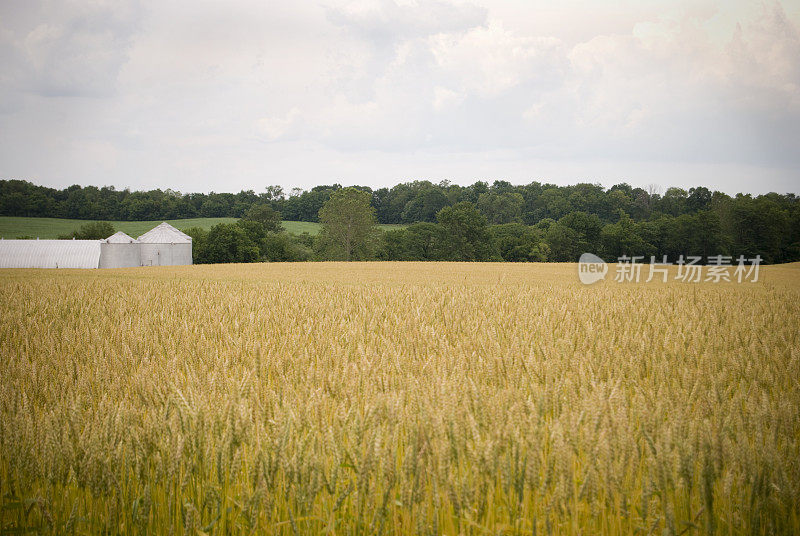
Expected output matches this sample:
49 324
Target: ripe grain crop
385 398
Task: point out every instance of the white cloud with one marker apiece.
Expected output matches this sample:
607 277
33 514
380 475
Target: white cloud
385 22
67 49
490 60
444 98
202 96
667 90
276 127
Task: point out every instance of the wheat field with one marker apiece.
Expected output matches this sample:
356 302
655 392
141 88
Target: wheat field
396 398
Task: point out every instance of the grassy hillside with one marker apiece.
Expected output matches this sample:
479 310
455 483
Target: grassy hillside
312 228
13 227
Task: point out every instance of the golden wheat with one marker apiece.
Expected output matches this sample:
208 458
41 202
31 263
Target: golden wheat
397 399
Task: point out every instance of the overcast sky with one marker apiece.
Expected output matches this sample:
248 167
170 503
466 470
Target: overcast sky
199 96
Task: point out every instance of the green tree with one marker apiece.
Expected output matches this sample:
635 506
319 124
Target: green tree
587 229
422 241
425 241
273 193
674 201
285 247
255 232
225 242
425 205
349 229
699 199
199 236
519 243
563 243
757 226
467 233
552 203
624 238
96 230
501 208
263 214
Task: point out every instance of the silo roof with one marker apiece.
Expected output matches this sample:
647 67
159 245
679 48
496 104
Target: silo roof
165 233
49 253
120 238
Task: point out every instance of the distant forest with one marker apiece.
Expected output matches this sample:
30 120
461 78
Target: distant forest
566 220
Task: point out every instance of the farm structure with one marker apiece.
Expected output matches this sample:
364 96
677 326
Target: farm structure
164 245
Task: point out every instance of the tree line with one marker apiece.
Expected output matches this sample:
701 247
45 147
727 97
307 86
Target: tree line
501 221
462 232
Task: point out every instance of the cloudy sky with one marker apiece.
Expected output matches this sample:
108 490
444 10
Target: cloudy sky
197 95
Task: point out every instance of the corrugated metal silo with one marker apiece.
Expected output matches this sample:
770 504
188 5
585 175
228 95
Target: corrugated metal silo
164 245
120 251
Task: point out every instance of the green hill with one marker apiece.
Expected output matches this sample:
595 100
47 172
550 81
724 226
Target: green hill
13 227
312 228
16 227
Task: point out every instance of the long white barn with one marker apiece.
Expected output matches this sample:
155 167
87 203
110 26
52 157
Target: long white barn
164 245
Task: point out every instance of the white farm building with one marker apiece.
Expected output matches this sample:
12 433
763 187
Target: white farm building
163 245
119 251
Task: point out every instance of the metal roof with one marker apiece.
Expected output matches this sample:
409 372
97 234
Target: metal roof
165 233
120 238
49 253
